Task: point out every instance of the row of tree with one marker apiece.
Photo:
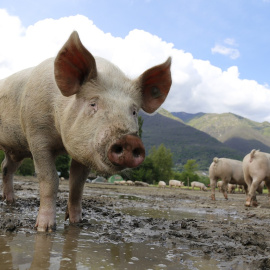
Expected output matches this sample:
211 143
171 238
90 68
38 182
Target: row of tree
158 166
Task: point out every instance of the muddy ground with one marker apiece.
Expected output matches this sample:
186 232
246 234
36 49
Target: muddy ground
224 230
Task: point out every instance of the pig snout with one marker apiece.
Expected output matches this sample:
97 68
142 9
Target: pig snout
127 152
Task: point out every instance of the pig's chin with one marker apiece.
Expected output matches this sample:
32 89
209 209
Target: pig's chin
104 167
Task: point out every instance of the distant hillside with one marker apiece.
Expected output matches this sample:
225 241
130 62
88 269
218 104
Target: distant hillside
184 141
186 117
234 131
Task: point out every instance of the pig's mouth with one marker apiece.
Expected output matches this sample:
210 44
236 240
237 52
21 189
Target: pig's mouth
126 152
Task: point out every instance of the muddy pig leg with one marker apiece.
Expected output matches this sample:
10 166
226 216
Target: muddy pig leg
77 178
9 167
213 184
48 185
224 188
251 197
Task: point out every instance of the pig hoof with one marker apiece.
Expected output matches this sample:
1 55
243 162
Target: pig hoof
46 228
247 204
255 204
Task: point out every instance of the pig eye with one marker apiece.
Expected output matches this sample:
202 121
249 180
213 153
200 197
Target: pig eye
134 113
94 106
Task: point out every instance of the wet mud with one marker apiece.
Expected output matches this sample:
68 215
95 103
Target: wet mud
234 235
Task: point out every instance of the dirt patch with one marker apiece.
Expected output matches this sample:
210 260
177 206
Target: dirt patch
225 230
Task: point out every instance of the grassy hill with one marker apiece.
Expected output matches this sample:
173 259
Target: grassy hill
184 141
234 131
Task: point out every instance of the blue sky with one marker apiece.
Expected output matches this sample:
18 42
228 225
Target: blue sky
220 48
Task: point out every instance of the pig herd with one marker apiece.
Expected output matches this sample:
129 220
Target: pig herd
252 173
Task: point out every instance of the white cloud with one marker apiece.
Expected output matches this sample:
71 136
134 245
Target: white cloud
197 85
231 52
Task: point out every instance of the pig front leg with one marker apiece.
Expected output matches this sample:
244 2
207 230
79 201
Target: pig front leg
9 167
48 183
77 178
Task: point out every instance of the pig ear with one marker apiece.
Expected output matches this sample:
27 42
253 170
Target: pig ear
155 83
73 65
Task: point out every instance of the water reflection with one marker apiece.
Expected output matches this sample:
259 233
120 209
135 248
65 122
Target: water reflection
74 248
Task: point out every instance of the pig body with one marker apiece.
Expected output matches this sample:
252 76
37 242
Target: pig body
256 167
199 185
161 184
80 105
229 171
175 183
130 183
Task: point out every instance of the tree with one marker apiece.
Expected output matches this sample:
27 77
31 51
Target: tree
162 162
27 167
145 172
191 166
189 175
140 122
62 164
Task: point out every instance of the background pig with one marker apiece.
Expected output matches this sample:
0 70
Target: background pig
175 183
161 184
256 167
199 185
80 105
229 171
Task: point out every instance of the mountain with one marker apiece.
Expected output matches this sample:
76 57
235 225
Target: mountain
233 130
186 117
184 141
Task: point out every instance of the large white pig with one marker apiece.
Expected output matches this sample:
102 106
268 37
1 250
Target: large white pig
229 171
256 167
77 104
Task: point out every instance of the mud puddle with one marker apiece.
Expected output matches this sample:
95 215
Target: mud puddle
74 248
137 228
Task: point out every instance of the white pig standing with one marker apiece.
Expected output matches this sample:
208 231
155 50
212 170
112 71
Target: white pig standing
229 171
175 183
80 105
161 184
256 167
199 185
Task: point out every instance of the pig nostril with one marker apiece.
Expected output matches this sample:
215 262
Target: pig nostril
117 149
136 152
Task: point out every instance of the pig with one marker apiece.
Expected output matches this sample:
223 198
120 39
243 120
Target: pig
175 183
123 182
130 183
161 184
229 171
140 183
219 184
200 185
256 167
231 188
77 104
